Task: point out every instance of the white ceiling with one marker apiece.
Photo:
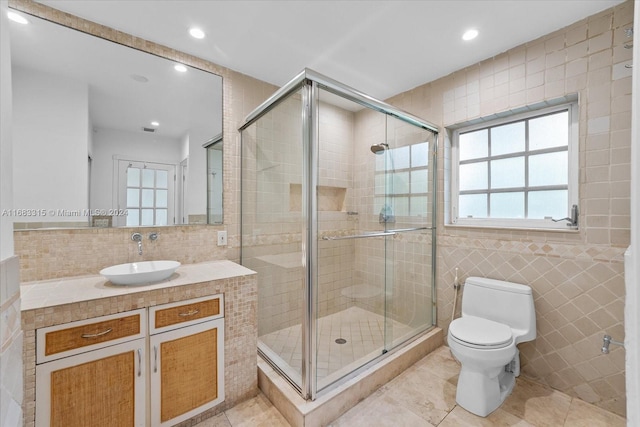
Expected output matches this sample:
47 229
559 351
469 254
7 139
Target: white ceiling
381 48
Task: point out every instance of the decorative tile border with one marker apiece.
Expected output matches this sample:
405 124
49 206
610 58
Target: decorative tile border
578 251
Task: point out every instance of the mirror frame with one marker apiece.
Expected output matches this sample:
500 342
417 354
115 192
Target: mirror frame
82 25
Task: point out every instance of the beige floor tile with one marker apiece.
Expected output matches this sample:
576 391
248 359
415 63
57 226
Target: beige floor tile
424 396
380 410
219 420
442 364
419 391
582 414
537 404
256 412
498 418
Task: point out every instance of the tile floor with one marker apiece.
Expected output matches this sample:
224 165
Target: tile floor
424 395
362 330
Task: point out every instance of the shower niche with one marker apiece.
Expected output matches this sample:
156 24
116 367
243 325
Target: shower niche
329 198
338 219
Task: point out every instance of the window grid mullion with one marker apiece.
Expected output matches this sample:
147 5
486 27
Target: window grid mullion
490 131
526 168
516 189
516 154
155 195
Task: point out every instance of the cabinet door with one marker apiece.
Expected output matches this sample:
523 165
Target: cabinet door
187 366
104 387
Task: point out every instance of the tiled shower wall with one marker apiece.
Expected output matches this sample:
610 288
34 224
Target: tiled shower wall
400 267
577 278
273 205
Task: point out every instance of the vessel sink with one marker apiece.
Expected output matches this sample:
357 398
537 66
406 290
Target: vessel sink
139 273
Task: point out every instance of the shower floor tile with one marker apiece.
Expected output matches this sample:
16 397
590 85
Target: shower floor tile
362 330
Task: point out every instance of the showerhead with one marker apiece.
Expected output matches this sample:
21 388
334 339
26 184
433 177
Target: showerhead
379 148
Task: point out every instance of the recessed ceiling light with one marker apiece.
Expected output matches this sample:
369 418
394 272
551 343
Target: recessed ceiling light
196 33
16 17
181 68
155 124
470 34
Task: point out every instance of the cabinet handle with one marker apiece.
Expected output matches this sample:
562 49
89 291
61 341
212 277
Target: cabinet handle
139 362
99 334
189 313
155 358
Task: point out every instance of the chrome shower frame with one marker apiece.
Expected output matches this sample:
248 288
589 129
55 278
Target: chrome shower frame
310 83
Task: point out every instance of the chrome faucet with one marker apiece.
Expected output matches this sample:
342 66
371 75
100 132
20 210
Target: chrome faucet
137 237
386 215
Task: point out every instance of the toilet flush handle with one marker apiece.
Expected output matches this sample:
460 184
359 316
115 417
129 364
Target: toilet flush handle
606 341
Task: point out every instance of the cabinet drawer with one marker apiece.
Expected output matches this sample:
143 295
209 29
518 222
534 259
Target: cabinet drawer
170 316
77 337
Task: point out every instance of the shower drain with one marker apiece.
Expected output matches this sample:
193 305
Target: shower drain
341 341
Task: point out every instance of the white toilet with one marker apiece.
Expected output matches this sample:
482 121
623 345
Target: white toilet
496 316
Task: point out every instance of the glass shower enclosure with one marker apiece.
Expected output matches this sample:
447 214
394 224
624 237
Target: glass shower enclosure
338 219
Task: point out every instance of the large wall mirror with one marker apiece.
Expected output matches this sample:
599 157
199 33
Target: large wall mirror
107 135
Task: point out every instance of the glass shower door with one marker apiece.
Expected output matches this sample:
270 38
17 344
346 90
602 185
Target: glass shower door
349 297
337 220
272 217
409 202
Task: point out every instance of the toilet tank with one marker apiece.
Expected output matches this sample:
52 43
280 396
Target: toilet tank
503 302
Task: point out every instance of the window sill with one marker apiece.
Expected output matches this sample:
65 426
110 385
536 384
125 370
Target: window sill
513 227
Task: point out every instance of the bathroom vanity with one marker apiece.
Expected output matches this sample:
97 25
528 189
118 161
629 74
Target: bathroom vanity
157 354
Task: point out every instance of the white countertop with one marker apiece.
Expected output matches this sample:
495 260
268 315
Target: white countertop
49 293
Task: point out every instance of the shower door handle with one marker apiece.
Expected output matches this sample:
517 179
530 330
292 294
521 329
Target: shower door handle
360 236
403 230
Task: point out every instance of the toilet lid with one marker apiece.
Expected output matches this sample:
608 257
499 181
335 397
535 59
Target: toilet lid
481 332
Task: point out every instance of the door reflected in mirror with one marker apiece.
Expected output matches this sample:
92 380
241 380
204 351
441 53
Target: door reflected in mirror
214 181
101 130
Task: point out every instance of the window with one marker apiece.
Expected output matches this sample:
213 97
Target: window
402 181
520 171
146 191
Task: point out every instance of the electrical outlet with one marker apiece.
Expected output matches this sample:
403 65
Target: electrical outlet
222 238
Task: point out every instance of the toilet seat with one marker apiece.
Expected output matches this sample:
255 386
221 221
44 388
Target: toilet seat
477 332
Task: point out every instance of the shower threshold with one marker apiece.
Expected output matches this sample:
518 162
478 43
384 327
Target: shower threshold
338 399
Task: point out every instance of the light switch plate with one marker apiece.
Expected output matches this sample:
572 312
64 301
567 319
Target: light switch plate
222 238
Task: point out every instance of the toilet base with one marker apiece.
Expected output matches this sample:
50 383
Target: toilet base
481 394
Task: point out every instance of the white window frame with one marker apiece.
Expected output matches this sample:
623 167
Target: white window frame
520 223
390 195
120 166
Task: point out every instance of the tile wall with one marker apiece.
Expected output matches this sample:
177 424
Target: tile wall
11 338
577 278
50 254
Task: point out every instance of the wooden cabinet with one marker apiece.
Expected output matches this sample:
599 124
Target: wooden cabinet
92 373
187 359
98 372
